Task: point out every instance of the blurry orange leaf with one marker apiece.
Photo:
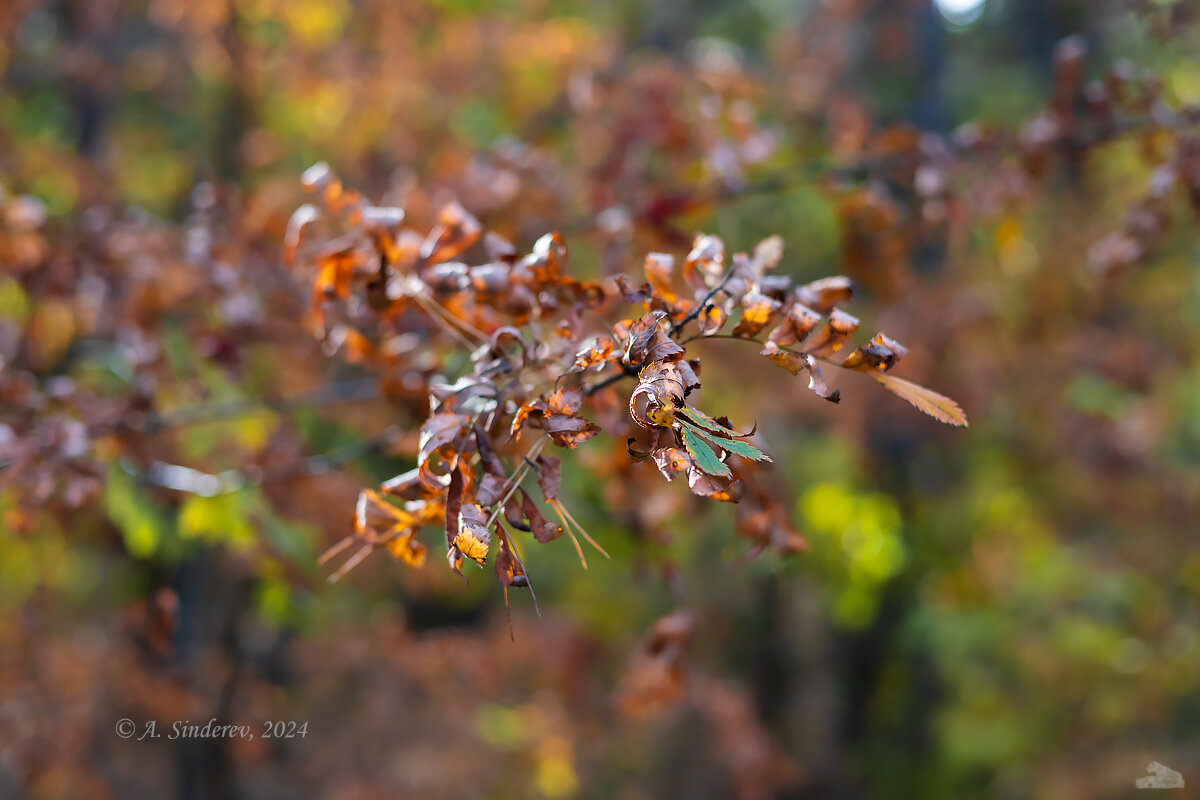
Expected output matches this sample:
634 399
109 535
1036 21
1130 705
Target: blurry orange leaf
658 273
767 254
671 461
408 550
374 516
711 318
655 675
786 359
456 230
825 293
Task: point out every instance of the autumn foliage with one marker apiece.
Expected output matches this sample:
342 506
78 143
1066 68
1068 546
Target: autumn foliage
545 359
552 295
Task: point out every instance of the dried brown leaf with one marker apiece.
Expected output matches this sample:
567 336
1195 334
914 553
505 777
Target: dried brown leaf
825 293
878 355
757 312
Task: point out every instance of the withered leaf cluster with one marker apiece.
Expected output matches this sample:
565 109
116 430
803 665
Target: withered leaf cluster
543 364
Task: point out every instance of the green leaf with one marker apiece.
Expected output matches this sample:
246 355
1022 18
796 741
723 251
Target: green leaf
711 427
701 420
704 456
736 446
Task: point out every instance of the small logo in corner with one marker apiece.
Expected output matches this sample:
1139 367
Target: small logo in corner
1160 777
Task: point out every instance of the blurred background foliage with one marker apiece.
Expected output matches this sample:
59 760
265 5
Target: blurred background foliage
1009 611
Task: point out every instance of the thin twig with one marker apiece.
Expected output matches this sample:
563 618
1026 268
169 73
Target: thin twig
431 308
335 549
695 312
516 479
823 359
627 371
352 562
696 336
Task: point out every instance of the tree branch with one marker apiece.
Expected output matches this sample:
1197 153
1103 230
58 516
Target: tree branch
627 371
695 312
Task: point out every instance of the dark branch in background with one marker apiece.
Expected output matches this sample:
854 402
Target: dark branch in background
795 176
344 391
205 484
179 477
188 479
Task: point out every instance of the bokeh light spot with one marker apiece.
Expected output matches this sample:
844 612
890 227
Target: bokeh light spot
960 12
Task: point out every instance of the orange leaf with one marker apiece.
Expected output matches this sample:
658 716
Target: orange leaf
757 312
471 545
408 550
938 406
880 354
473 535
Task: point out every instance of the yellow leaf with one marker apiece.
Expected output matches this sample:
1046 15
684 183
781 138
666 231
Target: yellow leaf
470 546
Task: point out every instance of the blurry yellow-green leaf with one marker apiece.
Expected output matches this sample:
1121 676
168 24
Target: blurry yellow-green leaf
14 305
220 519
135 514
